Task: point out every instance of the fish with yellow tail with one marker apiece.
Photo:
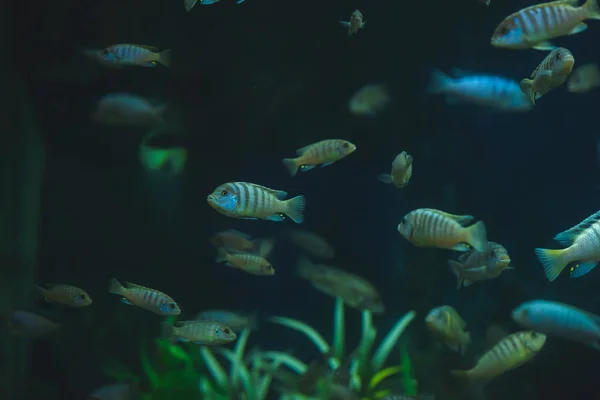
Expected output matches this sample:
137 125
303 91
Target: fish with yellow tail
426 227
401 171
143 297
476 266
251 263
448 326
584 249
250 201
322 153
551 73
511 352
66 295
534 26
198 332
356 22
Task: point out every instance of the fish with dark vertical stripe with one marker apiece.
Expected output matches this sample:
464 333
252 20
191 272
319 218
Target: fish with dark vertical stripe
322 153
143 297
551 73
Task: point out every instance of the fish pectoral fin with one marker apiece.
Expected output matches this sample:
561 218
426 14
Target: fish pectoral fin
579 28
326 164
126 301
345 23
544 46
467 282
582 269
526 86
461 247
276 217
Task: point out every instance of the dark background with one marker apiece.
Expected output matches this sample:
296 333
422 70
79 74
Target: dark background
250 84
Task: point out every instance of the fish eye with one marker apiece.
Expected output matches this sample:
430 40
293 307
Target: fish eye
224 193
172 306
534 335
218 331
81 297
345 145
227 331
105 52
558 56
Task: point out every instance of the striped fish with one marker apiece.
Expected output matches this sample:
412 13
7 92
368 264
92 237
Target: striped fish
135 54
551 73
198 332
511 352
584 248
143 297
401 171
559 319
251 201
426 227
533 26
251 263
66 295
448 326
322 153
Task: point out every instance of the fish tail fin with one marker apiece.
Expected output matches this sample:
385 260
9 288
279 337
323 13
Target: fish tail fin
591 6
189 4
166 330
294 208
438 82
264 247
526 86
291 165
40 292
460 374
385 178
455 268
115 287
164 57
221 255
553 260
478 236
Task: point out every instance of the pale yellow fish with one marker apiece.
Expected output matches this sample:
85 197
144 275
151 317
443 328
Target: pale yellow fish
448 326
66 295
322 153
251 263
584 79
369 100
427 227
583 241
314 244
356 22
199 332
143 297
401 171
511 352
551 73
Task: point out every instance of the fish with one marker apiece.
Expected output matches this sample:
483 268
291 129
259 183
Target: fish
250 201
322 153
198 332
66 295
511 352
551 73
124 109
401 171
115 391
28 324
495 92
584 79
426 227
251 263
136 55
534 26
369 100
314 244
143 297
583 241
356 22
189 4
237 321
475 266
232 239
448 326
558 319
356 291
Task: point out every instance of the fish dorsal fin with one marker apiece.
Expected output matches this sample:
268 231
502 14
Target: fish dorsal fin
461 219
567 237
134 286
279 194
300 152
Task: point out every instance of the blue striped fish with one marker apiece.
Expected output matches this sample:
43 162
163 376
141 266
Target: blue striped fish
143 297
250 201
135 54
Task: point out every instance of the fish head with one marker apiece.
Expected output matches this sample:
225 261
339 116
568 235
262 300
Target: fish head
534 341
170 308
81 299
267 269
224 334
406 227
509 34
344 148
223 199
561 61
437 320
356 15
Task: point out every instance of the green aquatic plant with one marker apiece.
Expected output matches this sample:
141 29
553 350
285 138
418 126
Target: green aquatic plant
366 368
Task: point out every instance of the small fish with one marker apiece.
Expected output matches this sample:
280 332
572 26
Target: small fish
251 263
401 171
123 109
115 391
198 332
475 266
25 323
356 22
553 318
314 244
143 297
356 291
136 55
511 352
369 100
250 201
534 26
322 153
447 326
66 295
426 227
584 248
235 320
551 73
483 90
584 79
233 239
